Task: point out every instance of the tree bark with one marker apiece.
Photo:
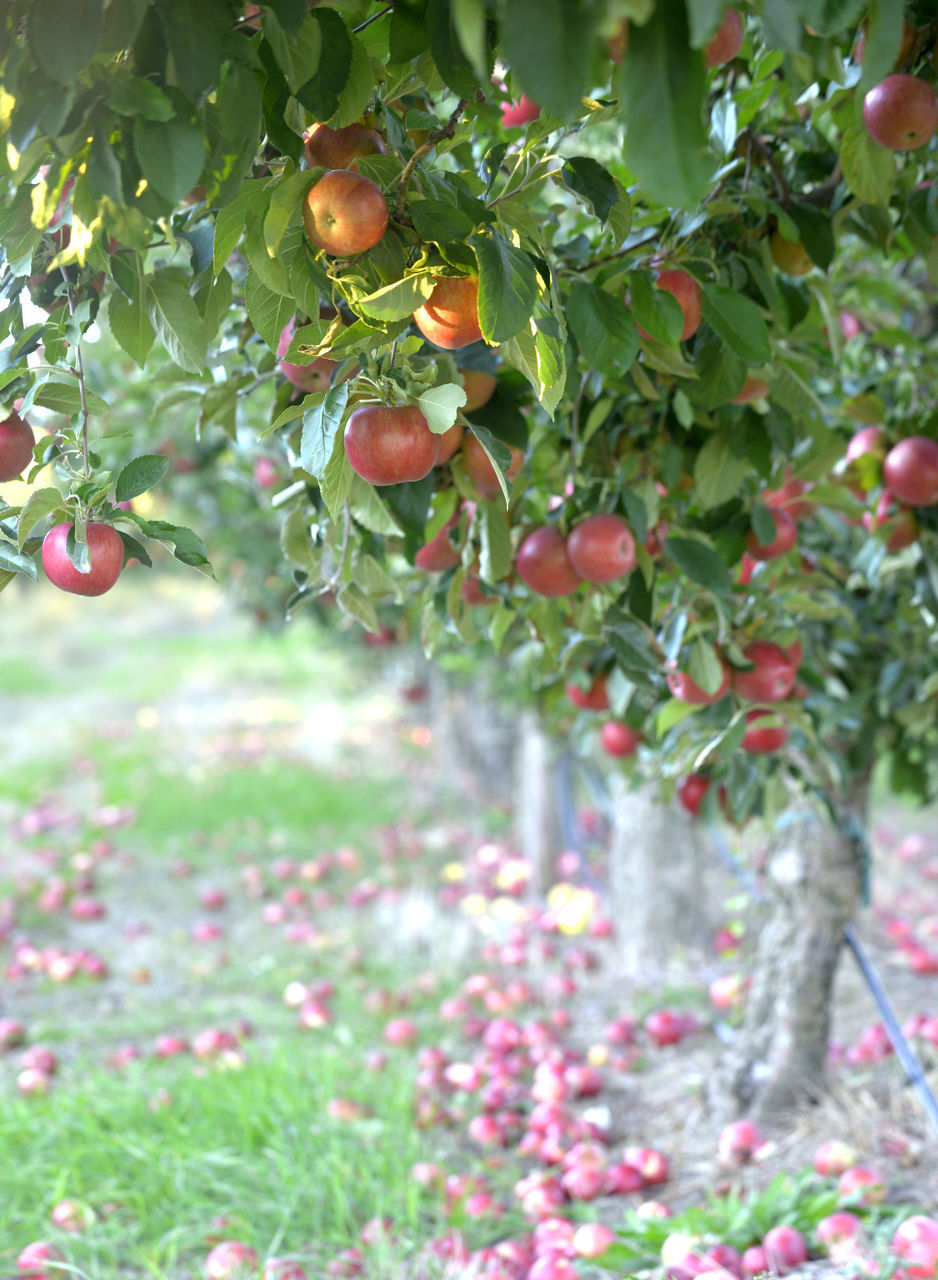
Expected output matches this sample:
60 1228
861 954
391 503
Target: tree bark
657 883
813 887
475 739
537 822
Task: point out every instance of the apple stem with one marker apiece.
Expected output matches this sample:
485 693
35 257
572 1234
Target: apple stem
435 136
80 374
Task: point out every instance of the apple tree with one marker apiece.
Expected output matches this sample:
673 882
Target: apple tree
593 334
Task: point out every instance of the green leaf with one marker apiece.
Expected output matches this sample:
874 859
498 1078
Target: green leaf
703 18
285 199
436 221
196 35
298 52
230 221
499 455
718 471
321 94
39 504
354 98
603 327
14 561
171 154
139 475
268 311
699 561
398 300
547 44
368 510
738 321
881 43
321 424
661 86
495 556
704 667
816 232
671 713
655 310
869 169
177 322
65 397
187 547
357 605
439 405
507 286
134 96
63 35
289 13
446 50
129 322
335 481
589 179
469 23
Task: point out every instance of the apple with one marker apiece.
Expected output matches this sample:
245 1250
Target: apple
31 1263
12 1034
601 548
839 1228
543 564
752 389
789 256
786 535
727 42
515 114
728 992
389 444
861 1184
450 441
902 526
688 690
664 1027
762 737
595 698
438 554
284 1269
592 1239
901 112
691 791
105 553
345 213
231 1260
315 376
479 387
772 676
480 470
686 292
619 739
755 1261
327 148
916 1243
833 1157
450 316
785 1248
868 440
789 497
16 447
910 471
738 1142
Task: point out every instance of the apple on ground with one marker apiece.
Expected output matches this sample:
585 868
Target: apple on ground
390 444
833 1157
786 1248
105 555
916 1242
345 213
31 1262
231 1260
450 316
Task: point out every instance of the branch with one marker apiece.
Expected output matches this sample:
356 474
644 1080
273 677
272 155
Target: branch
436 135
388 8
823 193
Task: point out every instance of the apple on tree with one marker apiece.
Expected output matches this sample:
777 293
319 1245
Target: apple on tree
390 444
543 564
685 290
315 376
789 256
619 739
479 386
450 316
727 42
685 688
345 213
327 148
105 556
479 468
593 698
772 676
522 112
910 471
602 549
786 535
901 112
16 447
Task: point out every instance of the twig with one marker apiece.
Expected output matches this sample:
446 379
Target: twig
436 135
374 18
80 374
823 193
620 253
575 427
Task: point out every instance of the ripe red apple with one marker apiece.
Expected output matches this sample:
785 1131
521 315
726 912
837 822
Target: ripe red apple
480 470
31 1263
771 678
450 316
861 1184
438 554
284 1269
910 471
388 444
315 376
449 443
515 114
601 548
686 292
105 553
901 112
839 1228
785 1248
789 496
727 42
900 522
543 564
16 447
688 690
327 148
592 1239
833 1157
231 1260
916 1243
762 737
345 213
595 698
738 1141
786 535
868 440
479 386
691 792
619 739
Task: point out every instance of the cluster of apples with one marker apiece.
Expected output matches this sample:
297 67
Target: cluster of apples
905 475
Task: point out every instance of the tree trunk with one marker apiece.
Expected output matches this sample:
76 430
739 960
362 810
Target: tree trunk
813 887
656 880
474 738
537 822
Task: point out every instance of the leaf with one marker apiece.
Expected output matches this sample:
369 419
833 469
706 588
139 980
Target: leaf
63 35
14 561
171 154
321 94
368 510
699 561
718 471
498 453
354 98
436 221
129 322
398 300
177 322
230 221
335 481
495 556
671 713
65 397
139 475
869 169
268 311
187 547
285 199
321 423
815 231
439 405
738 321
355 603
469 23
290 13
655 310
298 52
196 35
134 96
603 327
39 504
881 42
704 667
703 18
661 86
547 44
589 179
446 50
507 286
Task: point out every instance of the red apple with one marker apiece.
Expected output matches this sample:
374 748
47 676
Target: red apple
592 1239
738 1142
901 112
438 554
389 444
771 678
868 440
761 736
31 1263
688 690
284 1269
789 497
686 292
315 376
619 739
916 1243
786 535
601 548
16 447
327 148
515 114
727 42
345 213
450 316
595 698
479 387
480 470
231 1260
691 791
833 1157
910 471
543 564
862 1185
450 441
785 1248
900 522
839 1228
105 553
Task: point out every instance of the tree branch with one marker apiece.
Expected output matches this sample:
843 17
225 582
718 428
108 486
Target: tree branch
436 135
